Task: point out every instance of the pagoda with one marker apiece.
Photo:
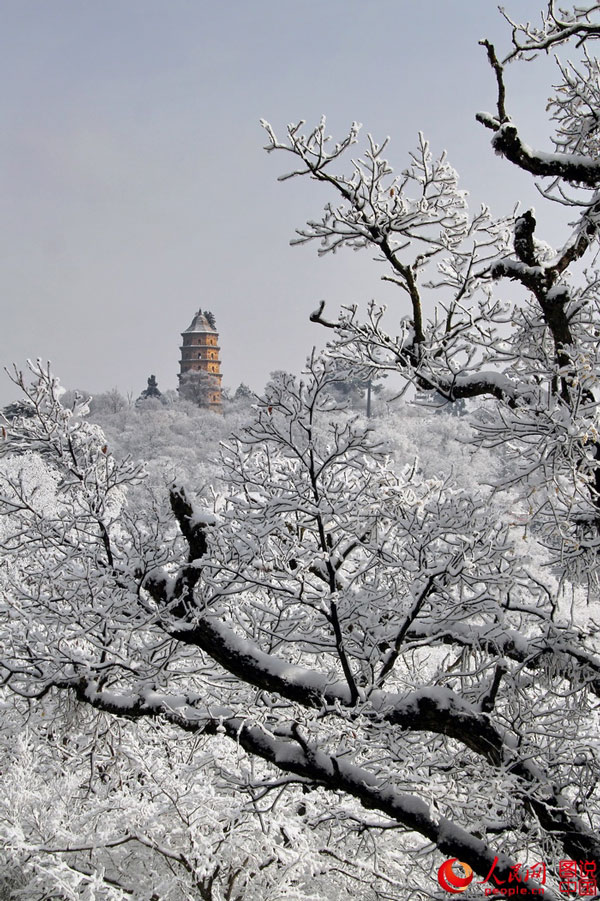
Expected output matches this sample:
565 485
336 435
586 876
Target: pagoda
200 354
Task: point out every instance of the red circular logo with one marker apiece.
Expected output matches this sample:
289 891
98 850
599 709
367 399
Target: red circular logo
450 881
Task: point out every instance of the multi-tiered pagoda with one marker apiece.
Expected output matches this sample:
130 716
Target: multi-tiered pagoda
200 376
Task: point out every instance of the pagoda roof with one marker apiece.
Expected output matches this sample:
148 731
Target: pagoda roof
200 324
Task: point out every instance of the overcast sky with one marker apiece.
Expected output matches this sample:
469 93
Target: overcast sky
135 189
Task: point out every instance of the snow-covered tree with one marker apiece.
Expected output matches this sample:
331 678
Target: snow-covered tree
197 386
411 664
535 358
94 806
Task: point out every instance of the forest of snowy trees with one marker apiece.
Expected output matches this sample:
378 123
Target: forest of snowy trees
295 653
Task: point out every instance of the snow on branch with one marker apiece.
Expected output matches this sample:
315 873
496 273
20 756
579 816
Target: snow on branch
295 754
557 26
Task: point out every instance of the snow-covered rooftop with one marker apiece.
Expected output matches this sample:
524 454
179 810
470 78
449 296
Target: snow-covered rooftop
200 323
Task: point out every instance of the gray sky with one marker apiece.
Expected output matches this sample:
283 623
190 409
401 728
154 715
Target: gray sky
135 189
